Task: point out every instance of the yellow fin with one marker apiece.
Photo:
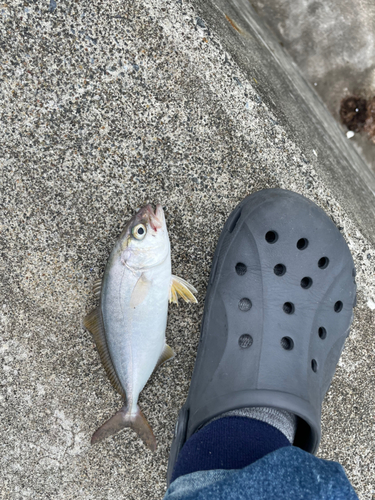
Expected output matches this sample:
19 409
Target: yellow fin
182 288
173 295
94 324
168 353
140 291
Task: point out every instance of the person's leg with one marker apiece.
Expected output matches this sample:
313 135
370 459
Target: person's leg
277 312
286 474
233 442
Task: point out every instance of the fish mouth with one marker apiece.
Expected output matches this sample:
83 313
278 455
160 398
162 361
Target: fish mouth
159 212
156 217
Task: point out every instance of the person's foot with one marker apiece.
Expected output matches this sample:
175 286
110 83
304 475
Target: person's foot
278 309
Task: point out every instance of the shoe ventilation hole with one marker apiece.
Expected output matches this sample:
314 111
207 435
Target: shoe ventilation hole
245 341
241 268
306 282
314 365
279 269
322 332
288 308
338 306
244 304
323 262
287 343
302 243
354 272
271 237
234 221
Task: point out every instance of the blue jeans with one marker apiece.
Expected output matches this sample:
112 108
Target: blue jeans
285 474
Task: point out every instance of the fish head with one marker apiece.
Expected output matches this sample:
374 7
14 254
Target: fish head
145 241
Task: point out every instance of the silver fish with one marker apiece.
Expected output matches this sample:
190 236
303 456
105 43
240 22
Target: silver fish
130 322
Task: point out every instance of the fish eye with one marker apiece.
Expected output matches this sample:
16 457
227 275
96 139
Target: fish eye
139 231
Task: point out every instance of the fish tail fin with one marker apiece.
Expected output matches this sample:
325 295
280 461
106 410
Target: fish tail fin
123 419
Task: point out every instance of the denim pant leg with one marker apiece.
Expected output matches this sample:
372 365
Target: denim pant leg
285 474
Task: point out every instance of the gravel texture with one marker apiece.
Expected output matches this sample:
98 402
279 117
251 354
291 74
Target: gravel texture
105 106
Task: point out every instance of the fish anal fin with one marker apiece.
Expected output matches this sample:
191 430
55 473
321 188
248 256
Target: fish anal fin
94 324
123 419
140 291
182 288
168 353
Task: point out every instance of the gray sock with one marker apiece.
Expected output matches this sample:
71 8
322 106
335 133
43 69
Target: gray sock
283 420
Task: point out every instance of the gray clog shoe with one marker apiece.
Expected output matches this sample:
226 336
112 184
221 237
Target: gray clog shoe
278 309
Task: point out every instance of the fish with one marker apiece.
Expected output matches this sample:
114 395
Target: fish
130 322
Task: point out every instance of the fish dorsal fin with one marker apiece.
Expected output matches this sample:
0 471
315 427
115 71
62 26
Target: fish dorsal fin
168 353
140 291
97 286
94 324
182 288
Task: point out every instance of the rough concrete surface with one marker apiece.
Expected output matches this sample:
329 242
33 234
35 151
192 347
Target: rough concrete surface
105 106
334 47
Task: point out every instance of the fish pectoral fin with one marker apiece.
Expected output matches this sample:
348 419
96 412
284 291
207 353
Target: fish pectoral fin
173 295
94 324
140 291
97 286
182 288
123 419
168 353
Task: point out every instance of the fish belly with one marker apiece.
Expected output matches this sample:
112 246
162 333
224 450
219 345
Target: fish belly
135 335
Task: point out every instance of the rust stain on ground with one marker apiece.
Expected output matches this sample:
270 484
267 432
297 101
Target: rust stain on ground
233 24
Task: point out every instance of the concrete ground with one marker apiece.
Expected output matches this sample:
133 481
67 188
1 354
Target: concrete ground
105 106
334 47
